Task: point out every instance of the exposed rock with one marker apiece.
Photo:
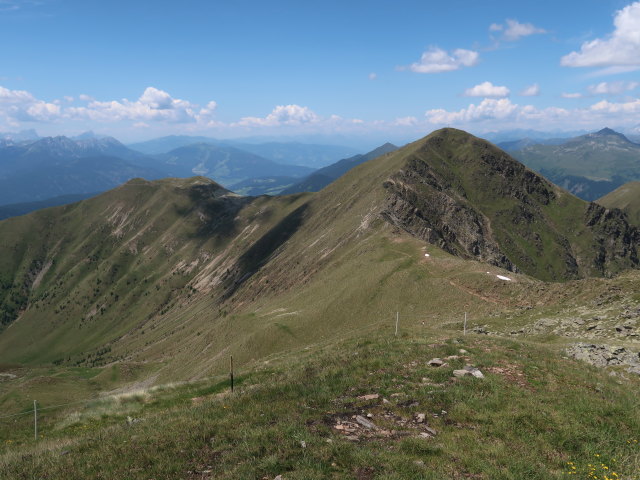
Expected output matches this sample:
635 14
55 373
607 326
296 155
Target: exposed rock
430 431
365 423
605 355
468 371
474 371
372 396
436 362
480 329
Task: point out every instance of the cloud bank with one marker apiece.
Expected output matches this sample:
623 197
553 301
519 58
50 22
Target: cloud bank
621 48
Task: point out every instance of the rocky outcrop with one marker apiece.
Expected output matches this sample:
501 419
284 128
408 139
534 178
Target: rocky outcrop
605 356
614 238
441 219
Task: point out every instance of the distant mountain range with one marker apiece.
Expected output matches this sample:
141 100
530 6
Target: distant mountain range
55 166
288 153
588 166
227 165
324 176
36 171
538 136
314 182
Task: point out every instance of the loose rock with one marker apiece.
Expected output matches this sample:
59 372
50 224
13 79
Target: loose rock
436 362
365 423
371 396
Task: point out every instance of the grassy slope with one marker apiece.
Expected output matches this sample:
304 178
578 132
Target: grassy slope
114 262
171 281
535 415
626 198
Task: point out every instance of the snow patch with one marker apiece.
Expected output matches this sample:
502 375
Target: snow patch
502 277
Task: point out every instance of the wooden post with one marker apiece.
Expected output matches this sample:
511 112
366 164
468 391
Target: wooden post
35 420
465 324
231 374
397 318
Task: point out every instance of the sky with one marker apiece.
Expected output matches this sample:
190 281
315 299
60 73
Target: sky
340 69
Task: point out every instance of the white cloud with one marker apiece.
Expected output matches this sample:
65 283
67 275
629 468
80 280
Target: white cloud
157 99
14 97
626 108
571 95
612 88
489 108
531 91
436 60
20 105
282 115
85 98
152 105
43 111
373 76
496 114
621 48
487 90
514 30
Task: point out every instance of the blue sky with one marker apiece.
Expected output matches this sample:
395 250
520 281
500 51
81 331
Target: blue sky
382 69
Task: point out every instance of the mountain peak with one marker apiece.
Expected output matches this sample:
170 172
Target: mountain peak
608 132
89 134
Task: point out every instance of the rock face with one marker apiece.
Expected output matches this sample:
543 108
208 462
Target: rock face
424 204
605 356
473 200
615 237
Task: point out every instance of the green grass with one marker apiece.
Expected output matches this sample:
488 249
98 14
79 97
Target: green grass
532 414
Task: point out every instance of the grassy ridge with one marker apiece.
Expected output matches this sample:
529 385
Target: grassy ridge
177 275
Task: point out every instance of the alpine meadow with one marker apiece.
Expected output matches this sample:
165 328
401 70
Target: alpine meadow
356 241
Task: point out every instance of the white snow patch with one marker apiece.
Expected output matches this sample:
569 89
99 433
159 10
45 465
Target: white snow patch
502 277
427 255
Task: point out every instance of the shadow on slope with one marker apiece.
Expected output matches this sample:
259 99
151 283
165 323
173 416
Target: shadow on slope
263 249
